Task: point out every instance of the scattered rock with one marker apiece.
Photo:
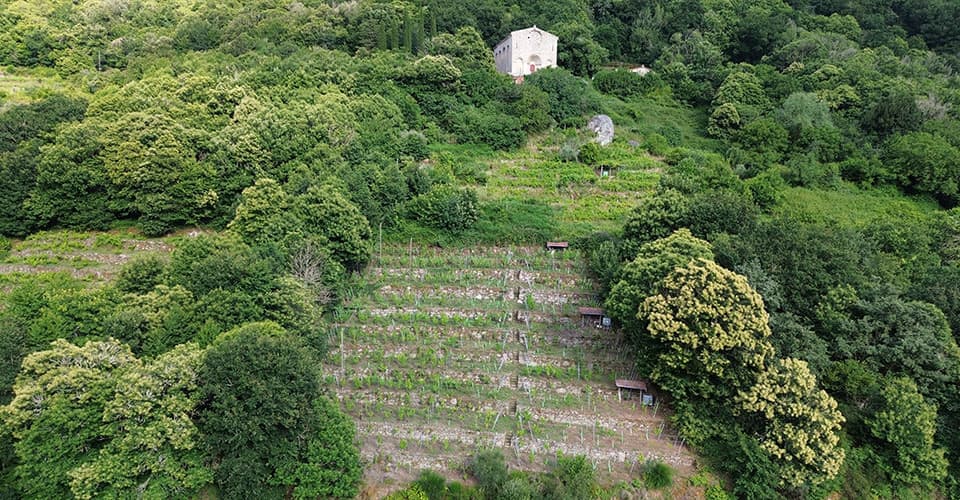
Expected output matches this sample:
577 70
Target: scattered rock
602 125
634 143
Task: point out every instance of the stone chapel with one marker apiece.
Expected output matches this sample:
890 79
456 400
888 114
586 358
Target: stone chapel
526 51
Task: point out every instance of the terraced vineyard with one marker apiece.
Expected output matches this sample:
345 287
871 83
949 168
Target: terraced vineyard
93 257
454 350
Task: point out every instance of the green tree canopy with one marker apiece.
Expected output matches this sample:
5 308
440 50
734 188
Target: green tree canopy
639 278
905 423
798 424
262 421
713 328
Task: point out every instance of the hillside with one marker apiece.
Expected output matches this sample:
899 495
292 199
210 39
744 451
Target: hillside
462 349
283 249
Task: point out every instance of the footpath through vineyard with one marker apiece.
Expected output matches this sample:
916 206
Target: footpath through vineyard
463 349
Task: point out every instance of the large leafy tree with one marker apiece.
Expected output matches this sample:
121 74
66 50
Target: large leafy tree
927 163
798 424
151 449
262 421
151 161
713 329
264 214
122 427
56 416
639 278
328 215
905 425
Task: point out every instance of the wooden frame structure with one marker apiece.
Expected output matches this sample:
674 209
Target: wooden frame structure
630 385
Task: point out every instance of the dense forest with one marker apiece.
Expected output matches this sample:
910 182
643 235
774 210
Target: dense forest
790 283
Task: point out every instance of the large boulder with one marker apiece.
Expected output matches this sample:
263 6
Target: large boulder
602 125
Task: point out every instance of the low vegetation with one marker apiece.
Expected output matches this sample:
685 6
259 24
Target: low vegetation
276 249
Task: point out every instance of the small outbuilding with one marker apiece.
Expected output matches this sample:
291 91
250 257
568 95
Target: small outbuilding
631 387
594 316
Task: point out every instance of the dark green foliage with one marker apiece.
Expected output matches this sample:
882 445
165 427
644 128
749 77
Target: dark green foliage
905 423
926 163
264 421
570 97
14 345
23 130
625 84
533 108
895 112
327 214
713 212
432 484
140 275
755 475
22 122
72 188
766 189
572 478
893 336
656 218
657 475
806 259
436 487
487 126
490 471
446 207
205 263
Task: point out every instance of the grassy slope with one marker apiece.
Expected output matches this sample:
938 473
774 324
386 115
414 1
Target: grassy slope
444 350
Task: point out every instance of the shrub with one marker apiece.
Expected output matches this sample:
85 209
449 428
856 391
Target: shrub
413 144
656 144
657 475
432 484
5 246
590 153
490 471
624 84
140 275
488 126
570 97
445 207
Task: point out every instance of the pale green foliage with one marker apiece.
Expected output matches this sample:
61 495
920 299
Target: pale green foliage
714 329
57 411
803 111
466 48
151 449
907 424
639 278
264 213
434 70
96 422
800 424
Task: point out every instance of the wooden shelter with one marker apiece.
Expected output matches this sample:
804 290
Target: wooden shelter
630 385
594 316
605 170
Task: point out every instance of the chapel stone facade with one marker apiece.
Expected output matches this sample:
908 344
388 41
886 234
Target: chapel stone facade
526 51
